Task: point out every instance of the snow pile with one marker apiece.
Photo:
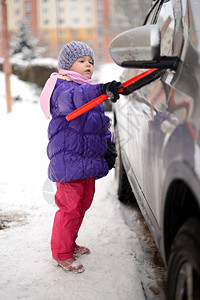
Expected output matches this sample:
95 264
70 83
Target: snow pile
25 197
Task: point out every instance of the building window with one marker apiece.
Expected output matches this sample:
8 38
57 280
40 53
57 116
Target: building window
28 6
100 15
100 37
88 20
60 10
99 4
45 11
46 33
74 21
17 12
28 17
28 27
100 26
74 32
88 9
46 22
18 22
74 10
61 21
17 1
61 32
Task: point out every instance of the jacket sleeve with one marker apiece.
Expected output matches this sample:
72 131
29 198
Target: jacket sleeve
75 96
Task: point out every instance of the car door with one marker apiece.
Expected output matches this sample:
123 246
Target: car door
149 109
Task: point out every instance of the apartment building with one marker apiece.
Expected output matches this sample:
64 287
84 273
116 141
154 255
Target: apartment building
102 30
18 10
64 20
56 22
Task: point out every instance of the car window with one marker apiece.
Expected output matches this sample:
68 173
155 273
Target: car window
152 14
169 18
164 18
166 23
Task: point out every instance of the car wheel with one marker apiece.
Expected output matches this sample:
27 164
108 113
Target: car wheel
184 263
124 190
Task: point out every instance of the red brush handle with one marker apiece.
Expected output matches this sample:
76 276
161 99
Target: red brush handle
81 110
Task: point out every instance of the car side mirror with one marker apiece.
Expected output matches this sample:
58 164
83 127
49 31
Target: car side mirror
140 48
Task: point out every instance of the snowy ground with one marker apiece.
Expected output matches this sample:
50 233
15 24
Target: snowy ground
119 266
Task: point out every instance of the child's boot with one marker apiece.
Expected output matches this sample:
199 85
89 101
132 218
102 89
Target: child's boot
70 265
80 250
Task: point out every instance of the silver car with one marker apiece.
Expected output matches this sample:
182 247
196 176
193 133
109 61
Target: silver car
158 136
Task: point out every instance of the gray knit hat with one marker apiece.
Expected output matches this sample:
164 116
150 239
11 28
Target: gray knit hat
71 52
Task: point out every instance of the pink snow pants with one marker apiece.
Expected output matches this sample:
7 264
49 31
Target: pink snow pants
73 199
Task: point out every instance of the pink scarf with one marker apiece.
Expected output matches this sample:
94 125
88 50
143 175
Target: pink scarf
50 84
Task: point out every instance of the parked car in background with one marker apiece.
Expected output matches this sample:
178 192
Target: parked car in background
158 136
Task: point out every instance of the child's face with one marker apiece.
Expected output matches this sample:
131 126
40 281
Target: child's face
84 66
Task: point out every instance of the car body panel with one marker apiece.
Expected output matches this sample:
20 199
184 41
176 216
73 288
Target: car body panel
159 124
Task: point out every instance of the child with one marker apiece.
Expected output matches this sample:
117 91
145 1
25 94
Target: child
79 151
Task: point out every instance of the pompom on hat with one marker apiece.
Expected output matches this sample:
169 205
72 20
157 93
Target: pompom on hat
71 52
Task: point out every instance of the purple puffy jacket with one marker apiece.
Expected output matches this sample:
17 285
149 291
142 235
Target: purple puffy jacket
77 148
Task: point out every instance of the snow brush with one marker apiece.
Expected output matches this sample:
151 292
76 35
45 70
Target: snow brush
129 87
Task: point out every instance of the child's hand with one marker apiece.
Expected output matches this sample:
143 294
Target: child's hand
111 89
111 155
